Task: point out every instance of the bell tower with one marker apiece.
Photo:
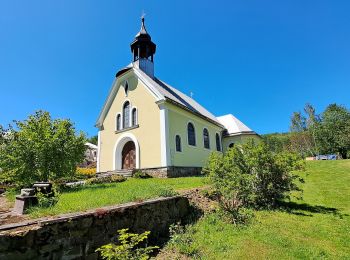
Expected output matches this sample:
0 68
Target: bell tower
143 50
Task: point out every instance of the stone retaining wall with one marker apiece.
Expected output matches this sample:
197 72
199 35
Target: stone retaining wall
78 235
172 171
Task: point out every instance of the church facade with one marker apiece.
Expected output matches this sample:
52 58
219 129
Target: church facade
147 124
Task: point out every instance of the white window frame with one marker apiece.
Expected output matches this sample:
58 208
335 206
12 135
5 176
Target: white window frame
137 116
208 138
195 137
220 143
122 114
116 122
181 149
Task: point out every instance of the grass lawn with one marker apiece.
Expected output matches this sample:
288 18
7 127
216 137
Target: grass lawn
98 195
318 227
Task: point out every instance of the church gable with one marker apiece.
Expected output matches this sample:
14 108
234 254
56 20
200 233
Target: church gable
132 102
131 114
130 82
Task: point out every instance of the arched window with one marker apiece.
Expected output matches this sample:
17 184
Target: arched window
126 114
178 143
218 145
191 135
118 122
231 145
134 117
206 138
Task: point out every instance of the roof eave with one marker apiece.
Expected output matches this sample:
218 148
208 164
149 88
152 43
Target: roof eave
241 133
193 112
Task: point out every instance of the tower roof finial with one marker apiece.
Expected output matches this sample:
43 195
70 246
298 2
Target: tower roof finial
143 27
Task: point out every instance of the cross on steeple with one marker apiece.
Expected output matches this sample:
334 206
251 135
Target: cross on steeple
143 14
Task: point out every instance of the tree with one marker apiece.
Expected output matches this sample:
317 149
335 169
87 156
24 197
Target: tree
93 139
333 133
277 142
39 149
303 131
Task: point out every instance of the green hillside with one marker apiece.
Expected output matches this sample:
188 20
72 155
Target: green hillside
318 227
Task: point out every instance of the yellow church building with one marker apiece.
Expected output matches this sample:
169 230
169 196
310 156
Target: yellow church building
147 124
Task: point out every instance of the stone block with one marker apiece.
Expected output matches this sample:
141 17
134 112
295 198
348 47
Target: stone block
22 203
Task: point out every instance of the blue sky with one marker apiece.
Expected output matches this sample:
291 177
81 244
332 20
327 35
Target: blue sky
259 60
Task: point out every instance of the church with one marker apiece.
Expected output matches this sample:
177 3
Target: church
149 125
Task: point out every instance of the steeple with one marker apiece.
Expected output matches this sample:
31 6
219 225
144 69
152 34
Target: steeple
143 49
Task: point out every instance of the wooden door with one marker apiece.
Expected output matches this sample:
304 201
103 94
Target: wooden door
129 156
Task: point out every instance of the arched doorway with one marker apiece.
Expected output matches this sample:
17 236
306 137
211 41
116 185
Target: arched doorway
129 156
126 155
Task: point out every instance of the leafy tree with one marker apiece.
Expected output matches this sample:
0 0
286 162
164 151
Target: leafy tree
303 129
333 133
93 139
39 149
277 142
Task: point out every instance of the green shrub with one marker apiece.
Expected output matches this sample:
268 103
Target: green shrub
129 247
48 200
106 179
117 178
141 175
85 173
45 201
181 239
251 175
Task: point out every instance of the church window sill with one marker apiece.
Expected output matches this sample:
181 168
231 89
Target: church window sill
126 129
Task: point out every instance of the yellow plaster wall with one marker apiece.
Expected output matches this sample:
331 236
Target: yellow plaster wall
238 139
148 132
190 155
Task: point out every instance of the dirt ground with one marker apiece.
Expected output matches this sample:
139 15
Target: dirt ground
200 201
6 216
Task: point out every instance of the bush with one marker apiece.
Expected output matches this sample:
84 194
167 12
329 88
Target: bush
129 247
181 239
106 179
251 175
45 201
141 175
85 173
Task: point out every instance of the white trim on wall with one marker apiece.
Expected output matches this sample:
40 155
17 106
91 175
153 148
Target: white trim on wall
164 136
98 151
118 148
